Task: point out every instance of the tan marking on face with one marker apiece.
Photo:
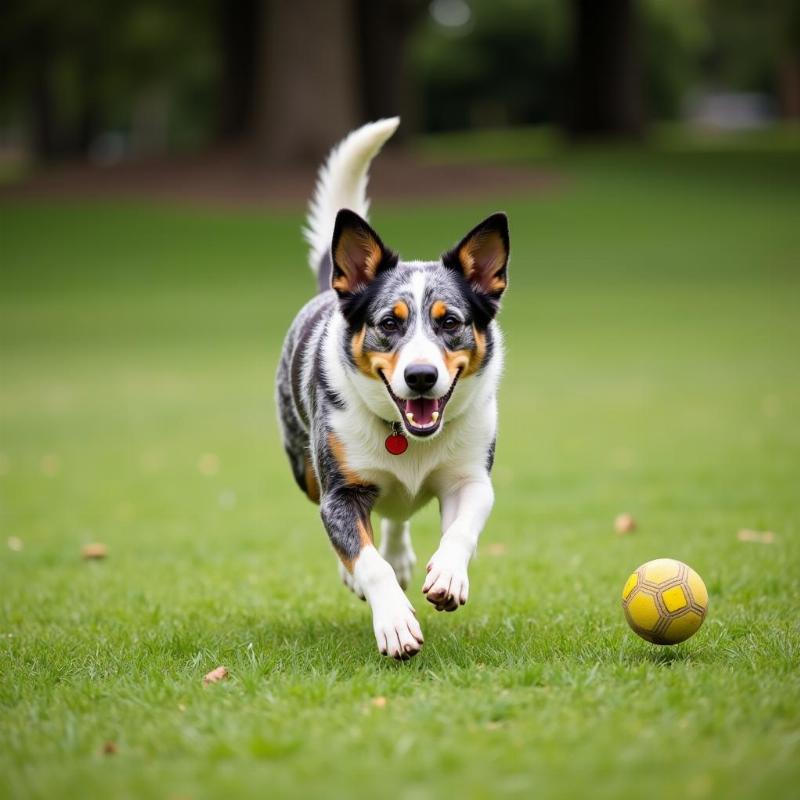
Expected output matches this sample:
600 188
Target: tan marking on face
438 309
312 485
468 361
400 310
370 362
337 450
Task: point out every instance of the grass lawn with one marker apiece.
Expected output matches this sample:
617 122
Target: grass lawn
653 328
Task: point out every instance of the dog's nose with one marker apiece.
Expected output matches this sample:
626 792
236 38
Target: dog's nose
421 377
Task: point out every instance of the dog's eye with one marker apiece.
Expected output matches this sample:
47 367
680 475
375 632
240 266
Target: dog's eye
451 323
388 324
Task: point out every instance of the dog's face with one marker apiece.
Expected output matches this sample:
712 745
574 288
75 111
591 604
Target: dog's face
417 329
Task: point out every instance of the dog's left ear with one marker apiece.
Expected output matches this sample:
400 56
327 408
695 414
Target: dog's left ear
482 258
357 254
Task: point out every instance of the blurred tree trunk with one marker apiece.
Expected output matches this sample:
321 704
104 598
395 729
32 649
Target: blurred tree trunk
307 90
384 29
789 86
90 111
607 71
238 26
43 111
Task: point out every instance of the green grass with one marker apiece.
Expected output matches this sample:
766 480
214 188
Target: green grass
652 328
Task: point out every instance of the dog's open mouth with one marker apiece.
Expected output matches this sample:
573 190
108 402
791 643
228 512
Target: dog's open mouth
421 416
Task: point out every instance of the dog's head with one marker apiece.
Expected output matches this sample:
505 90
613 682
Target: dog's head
414 330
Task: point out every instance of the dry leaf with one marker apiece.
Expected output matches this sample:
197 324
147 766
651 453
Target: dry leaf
762 537
94 551
496 549
625 523
215 676
379 702
110 748
50 464
208 464
15 544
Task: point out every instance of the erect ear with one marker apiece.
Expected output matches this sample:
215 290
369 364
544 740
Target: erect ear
482 257
357 253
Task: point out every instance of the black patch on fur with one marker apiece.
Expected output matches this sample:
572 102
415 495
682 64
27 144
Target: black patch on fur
297 364
490 455
321 380
348 221
324 273
489 350
298 470
344 505
484 305
341 511
355 305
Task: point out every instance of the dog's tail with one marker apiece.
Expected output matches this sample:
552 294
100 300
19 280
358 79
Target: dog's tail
342 183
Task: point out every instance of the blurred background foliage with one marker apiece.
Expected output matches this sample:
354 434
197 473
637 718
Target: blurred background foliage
111 79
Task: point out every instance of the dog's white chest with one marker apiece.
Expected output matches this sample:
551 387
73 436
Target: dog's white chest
407 481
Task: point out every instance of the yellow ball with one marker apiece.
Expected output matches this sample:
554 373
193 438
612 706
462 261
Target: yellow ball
665 601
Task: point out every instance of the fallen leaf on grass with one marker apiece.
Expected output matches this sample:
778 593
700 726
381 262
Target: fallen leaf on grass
110 748
496 549
379 702
50 464
208 464
15 544
94 551
625 523
762 537
215 676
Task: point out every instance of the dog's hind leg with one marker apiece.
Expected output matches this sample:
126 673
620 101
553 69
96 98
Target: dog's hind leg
397 550
345 512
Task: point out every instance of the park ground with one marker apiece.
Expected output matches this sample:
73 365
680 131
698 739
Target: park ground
652 332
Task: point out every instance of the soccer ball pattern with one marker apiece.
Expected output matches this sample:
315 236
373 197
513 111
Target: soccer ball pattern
665 601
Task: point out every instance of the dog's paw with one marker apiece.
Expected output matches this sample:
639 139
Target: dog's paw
402 562
397 631
350 582
447 583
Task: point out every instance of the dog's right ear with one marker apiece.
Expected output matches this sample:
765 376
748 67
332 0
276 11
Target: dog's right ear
357 254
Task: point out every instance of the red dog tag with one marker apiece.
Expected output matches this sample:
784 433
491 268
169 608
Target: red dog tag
396 444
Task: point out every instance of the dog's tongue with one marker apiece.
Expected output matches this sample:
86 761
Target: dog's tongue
422 408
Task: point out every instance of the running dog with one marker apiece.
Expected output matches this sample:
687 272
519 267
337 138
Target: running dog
386 393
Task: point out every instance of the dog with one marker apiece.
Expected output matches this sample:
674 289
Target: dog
386 393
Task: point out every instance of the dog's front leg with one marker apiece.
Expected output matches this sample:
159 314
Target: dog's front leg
465 508
346 515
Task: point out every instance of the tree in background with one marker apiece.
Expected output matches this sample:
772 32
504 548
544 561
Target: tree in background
238 25
606 92
384 31
322 68
306 84
289 76
490 63
756 47
72 72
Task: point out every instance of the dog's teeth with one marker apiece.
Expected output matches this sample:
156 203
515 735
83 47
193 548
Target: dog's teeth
410 417
435 416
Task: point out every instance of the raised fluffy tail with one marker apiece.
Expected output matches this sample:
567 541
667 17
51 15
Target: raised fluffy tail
342 183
